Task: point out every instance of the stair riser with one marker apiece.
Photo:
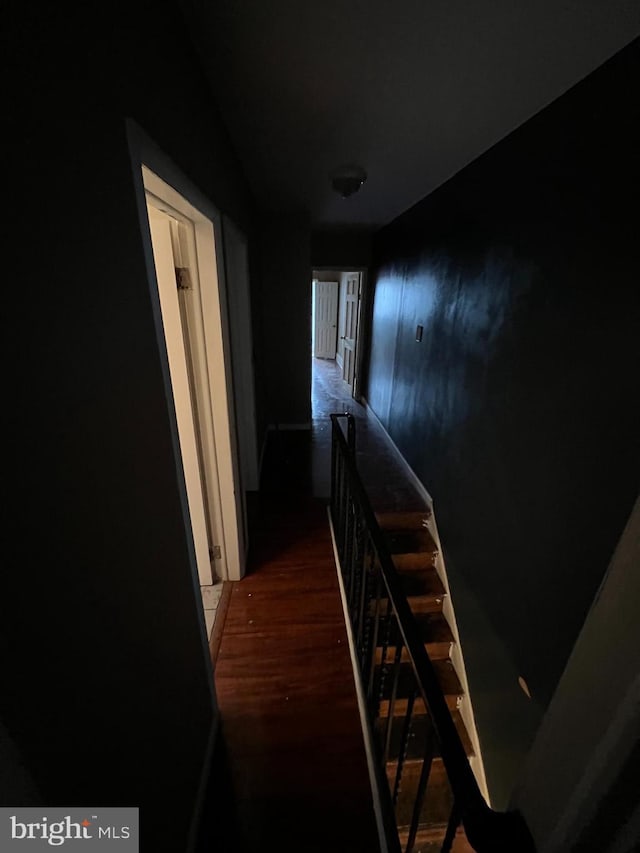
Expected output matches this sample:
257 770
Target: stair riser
400 707
436 651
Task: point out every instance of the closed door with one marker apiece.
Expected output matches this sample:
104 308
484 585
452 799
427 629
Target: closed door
325 305
352 296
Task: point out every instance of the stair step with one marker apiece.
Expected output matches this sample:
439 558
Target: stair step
435 633
436 808
438 799
429 840
414 561
409 541
423 589
418 737
447 678
413 520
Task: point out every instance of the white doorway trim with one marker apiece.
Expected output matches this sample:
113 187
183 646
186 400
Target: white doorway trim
362 330
154 173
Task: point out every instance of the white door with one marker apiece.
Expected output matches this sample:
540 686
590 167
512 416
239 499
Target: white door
325 319
202 341
352 296
181 386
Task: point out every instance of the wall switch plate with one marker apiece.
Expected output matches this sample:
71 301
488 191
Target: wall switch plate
419 334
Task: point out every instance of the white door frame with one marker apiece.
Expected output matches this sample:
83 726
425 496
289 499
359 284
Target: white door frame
361 332
156 174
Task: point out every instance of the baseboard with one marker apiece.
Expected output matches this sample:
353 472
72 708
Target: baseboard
411 474
362 705
205 773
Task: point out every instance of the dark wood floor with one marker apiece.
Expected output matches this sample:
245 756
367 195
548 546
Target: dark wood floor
296 774
290 770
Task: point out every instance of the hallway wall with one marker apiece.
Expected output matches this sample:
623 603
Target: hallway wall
284 373
519 410
108 694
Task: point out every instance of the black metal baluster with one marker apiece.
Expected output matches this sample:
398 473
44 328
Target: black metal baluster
351 433
335 461
422 787
375 633
370 616
344 512
356 581
404 742
392 697
348 548
452 826
362 603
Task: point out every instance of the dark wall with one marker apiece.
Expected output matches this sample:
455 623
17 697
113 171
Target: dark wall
519 409
285 304
106 689
341 249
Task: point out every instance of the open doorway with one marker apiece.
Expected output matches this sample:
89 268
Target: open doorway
336 300
187 280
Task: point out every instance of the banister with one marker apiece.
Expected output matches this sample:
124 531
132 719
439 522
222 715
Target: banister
488 831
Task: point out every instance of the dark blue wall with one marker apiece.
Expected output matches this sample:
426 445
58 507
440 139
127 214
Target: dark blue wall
519 409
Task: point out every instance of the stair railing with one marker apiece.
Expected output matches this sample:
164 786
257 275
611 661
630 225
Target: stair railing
401 687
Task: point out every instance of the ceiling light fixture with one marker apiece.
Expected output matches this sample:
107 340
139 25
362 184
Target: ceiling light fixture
347 180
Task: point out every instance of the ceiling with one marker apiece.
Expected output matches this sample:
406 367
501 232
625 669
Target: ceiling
412 90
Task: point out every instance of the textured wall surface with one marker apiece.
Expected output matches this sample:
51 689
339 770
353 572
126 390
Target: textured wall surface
519 409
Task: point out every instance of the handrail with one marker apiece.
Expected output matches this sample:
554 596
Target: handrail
366 563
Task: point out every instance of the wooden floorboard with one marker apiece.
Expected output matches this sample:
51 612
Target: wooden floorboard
290 722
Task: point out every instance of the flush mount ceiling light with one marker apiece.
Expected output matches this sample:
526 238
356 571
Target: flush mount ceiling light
347 180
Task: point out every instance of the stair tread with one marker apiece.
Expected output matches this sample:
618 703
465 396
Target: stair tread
421 582
434 632
445 674
429 840
424 591
438 799
401 704
414 560
417 740
406 541
403 520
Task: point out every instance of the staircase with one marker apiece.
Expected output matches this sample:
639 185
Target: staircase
414 552
428 797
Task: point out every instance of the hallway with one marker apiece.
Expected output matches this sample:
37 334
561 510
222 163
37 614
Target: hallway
388 484
291 768
296 772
